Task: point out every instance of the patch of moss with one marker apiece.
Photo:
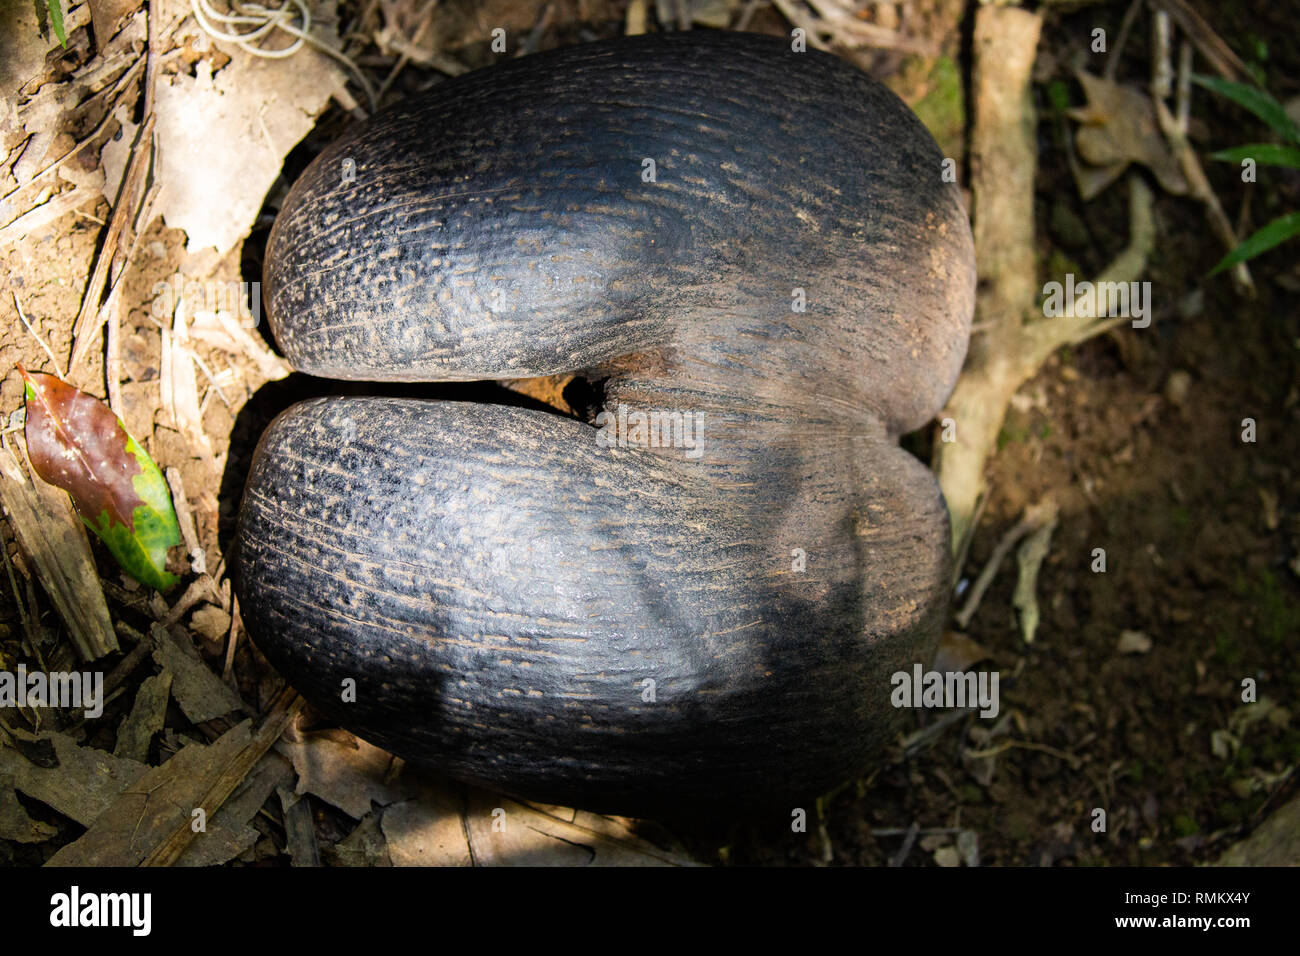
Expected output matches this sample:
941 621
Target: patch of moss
1276 612
1020 827
943 109
1055 269
1058 95
1184 825
1012 432
1227 650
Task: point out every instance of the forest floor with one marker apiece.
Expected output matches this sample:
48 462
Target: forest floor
1128 699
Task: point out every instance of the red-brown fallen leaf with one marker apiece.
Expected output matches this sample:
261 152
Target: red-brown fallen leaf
75 441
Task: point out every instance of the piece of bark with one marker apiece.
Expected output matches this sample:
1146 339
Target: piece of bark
200 693
145 719
105 15
78 782
53 537
229 831
146 813
156 821
15 824
284 709
299 831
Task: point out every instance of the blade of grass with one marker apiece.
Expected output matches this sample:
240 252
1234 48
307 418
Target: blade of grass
1256 101
1266 154
1278 231
56 21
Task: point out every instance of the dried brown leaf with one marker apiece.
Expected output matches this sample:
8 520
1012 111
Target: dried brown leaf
75 441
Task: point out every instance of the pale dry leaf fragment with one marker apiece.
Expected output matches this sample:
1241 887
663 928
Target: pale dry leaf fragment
211 621
968 845
199 692
1029 559
503 832
344 771
91 180
116 153
1178 387
1247 714
223 330
106 15
947 856
22 50
78 782
1119 127
1223 744
1133 642
427 831
1269 500
267 105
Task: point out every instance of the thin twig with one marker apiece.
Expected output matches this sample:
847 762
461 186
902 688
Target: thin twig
1208 43
228 667
39 341
1033 519
909 840
1006 745
423 19
85 329
201 588
1113 57
212 379
185 518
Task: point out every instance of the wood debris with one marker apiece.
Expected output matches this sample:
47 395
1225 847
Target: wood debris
53 537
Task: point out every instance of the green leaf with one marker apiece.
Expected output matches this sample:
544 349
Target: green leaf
1058 95
142 552
1266 154
1278 231
56 21
75 442
1257 101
